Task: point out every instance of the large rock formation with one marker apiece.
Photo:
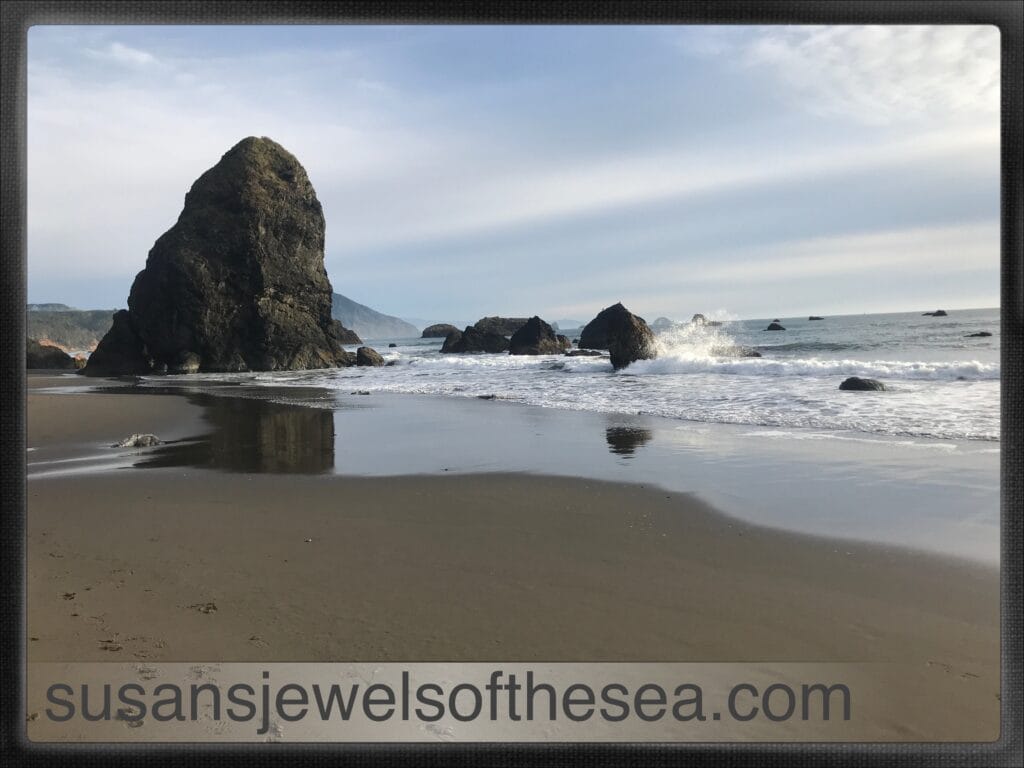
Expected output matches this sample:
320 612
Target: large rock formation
625 335
238 283
42 356
438 331
474 340
506 326
536 337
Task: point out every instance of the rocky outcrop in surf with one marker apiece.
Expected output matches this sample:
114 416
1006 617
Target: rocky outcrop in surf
238 283
473 339
506 326
626 336
936 313
438 331
368 356
536 337
857 384
775 325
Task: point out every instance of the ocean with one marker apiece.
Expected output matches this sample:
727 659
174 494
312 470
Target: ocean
941 383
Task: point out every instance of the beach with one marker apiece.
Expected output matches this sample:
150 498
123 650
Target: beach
285 560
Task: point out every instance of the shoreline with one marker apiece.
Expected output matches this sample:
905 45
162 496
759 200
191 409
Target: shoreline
872 490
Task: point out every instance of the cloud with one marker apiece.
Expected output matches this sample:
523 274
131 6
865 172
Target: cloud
876 75
123 54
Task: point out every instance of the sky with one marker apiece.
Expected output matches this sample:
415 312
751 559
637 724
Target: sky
741 172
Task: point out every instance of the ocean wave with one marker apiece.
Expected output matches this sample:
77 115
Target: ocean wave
762 366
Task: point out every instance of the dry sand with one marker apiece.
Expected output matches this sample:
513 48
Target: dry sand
182 564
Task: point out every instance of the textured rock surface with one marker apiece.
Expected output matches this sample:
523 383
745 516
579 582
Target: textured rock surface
368 356
536 337
238 283
438 331
863 385
625 335
474 340
505 326
138 441
45 357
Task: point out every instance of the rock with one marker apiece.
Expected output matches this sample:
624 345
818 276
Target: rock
438 331
138 441
584 353
43 356
629 338
344 335
663 324
474 340
978 335
392 345
735 351
698 319
815 317
536 337
238 283
774 326
576 340
506 326
862 385
368 356
936 313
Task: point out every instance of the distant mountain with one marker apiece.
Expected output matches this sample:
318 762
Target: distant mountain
50 308
567 324
71 329
369 323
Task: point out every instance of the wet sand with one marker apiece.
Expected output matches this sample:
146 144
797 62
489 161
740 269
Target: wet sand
180 563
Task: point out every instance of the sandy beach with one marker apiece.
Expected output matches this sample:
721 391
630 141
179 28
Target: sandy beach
182 563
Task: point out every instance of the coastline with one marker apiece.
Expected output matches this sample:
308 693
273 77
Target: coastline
295 562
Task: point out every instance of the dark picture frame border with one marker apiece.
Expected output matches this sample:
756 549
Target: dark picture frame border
16 16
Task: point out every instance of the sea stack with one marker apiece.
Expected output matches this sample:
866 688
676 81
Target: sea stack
625 335
238 283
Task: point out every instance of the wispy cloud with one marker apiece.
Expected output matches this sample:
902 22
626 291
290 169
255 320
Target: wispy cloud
122 54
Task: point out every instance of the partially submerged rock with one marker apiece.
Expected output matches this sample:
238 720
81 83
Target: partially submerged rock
238 283
438 331
43 356
585 353
505 326
625 335
815 317
368 356
536 337
936 313
978 335
775 325
474 340
858 384
138 441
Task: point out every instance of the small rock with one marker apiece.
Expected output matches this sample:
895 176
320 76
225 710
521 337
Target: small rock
774 325
862 385
392 345
368 356
978 335
138 441
815 317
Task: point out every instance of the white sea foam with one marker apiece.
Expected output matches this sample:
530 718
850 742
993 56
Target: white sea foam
934 392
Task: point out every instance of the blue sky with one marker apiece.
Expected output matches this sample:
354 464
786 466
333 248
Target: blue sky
467 171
